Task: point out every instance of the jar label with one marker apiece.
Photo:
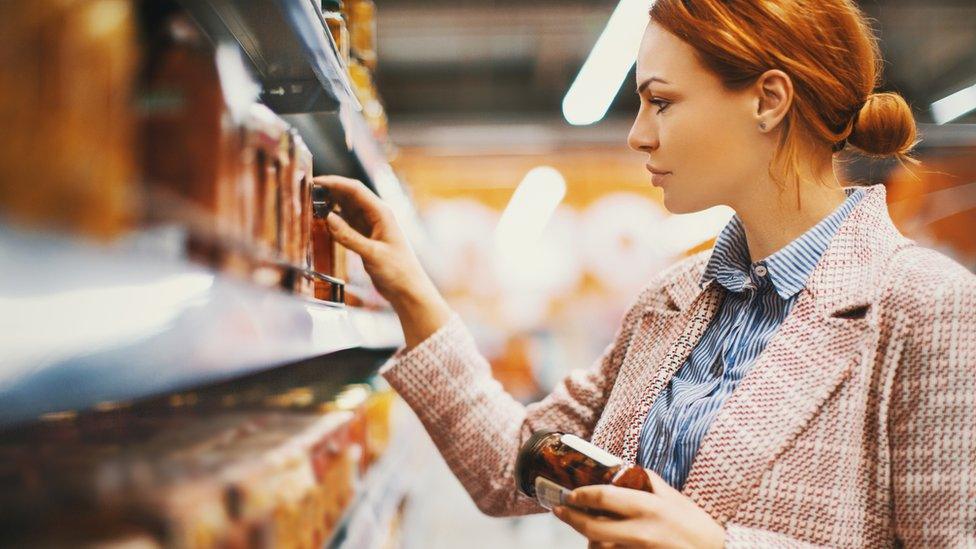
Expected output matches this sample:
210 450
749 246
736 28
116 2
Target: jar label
549 493
592 451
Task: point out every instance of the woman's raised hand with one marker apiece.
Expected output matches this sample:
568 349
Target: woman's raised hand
368 227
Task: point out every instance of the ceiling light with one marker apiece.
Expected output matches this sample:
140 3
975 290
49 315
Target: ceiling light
607 66
529 210
954 106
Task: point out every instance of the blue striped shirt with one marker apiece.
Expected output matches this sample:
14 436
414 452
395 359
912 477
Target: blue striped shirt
758 296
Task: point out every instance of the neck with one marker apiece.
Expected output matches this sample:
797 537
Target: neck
772 219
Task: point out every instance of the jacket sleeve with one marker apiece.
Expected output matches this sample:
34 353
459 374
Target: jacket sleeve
933 416
743 537
477 426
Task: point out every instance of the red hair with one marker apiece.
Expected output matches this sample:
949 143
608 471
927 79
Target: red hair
826 47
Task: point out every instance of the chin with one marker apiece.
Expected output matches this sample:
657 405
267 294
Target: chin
675 205
676 202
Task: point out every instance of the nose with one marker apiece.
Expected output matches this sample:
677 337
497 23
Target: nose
643 135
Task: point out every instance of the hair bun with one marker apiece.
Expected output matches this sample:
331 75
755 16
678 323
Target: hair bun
884 126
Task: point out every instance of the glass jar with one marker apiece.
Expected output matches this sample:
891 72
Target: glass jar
336 23
323 256
550 464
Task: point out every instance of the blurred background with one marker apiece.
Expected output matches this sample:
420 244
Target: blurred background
496 129
475 93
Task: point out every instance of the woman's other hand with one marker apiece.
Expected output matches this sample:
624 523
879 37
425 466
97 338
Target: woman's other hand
368 227
666 518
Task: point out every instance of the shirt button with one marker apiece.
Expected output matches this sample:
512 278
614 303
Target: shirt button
761 270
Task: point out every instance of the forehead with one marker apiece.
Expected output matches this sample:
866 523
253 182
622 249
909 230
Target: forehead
665 55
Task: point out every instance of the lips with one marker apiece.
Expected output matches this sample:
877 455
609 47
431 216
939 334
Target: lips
655 171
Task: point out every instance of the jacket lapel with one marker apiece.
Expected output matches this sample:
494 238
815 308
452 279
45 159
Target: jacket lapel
808 358
828 332
666 336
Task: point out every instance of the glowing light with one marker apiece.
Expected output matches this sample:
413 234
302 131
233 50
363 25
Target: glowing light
528 211
954 106
604 71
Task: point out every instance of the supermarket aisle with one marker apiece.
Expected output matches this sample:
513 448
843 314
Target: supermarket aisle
442 516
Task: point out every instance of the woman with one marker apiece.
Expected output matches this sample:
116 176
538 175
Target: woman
810 380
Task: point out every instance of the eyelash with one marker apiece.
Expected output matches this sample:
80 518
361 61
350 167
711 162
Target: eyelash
657 103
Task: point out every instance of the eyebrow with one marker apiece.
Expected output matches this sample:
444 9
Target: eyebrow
646 83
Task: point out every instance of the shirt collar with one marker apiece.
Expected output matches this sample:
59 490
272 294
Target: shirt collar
787 269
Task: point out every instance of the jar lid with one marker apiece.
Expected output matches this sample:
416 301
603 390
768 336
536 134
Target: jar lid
522 465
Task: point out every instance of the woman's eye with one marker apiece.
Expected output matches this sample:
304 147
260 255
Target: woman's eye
661 104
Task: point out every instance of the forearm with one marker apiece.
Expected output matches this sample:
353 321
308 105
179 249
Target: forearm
422 311
475 424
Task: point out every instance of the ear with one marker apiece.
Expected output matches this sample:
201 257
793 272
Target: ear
774 95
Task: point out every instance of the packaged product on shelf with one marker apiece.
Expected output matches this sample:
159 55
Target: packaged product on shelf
68 123
378 411
299 202
268 140
361 18
354 399
365 90
303 158
289 204
334 20
327 255
191 149
192 478
301 252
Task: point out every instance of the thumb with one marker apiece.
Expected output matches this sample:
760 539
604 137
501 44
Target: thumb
658 484
347 236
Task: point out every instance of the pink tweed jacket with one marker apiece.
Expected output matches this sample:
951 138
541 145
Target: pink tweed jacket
856 427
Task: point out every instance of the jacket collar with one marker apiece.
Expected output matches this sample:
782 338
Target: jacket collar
788 268
845 277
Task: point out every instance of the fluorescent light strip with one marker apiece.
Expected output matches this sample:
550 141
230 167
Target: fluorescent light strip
529 210
954 106
604 71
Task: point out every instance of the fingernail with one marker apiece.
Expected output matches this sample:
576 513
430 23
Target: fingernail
558 511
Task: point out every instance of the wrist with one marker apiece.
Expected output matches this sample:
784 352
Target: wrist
421 311
416 298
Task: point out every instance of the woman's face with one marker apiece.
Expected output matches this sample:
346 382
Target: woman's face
706 137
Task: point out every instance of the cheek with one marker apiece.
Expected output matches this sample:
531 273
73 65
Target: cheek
709 139
711 152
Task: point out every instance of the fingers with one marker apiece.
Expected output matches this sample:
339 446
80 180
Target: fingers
659 485
349 237
343 186
597 529
614 499
353 195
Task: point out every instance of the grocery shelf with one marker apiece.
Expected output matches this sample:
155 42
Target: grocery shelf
303 79
284 40
384 486
87 323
